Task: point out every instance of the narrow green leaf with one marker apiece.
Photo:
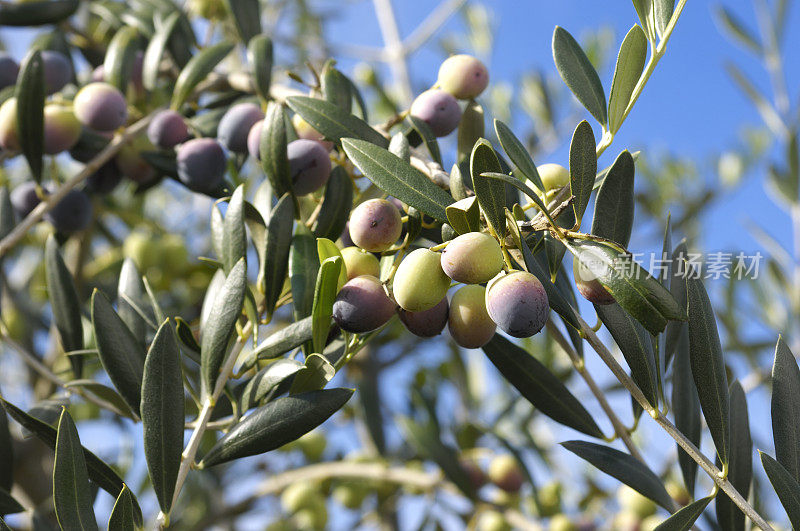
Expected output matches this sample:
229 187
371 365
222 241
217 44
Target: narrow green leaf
246 17
260 57
279 241
155 50
337 201
274 160
120 56
470 130
121 518
578 73
663 13
303 267
684 519
327 249
427 136
71 494
539 386
131 300
105 393
677 287
614 205
490 192
708 366
635 344
99 472
118 350
324 295
740 465
518 154
521 186
786 409
315 374
736 28
638 292
267 379
397 178
464 215
198 67
786 487
30 93
582 167
234 236
63 302
7 216
335 87
400 147
623 467
644 8
36 13
6 450
277 423
217 332
630 65
282 341
333 122
686 405
163 413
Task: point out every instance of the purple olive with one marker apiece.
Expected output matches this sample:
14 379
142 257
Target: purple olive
463 76
24 199
438 109
254 140
57 70
8 70
309 165
201 164
167 129
588 285
427 323
235 126
73 213
101 107
375 225
61 129
518 303
105 179
362 305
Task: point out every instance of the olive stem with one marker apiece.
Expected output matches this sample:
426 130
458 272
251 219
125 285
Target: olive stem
14 237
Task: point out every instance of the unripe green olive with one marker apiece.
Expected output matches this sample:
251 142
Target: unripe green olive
678 491
351 494
61 129
300 495
375 225
550 499
626 521
504 472
9 136
651 523
463 76
472 258
554 176
315 517
634 502
492 521
469 322
142 249
562 522
588 285
419 283
358 262
312 444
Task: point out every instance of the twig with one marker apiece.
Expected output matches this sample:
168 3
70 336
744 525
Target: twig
431 25
7 243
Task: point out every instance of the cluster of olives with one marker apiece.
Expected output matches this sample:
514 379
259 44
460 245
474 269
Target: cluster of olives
514 301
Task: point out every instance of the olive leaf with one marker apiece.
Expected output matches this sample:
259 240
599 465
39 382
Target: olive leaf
582 168
7 216
246 17
260 57
30 93
635 344
490 192
663 13
151 64
7 450
315 374
623 467
740 465
163 413
324 295
217 332
72 497
684 519
708 366
638 292
267 379
303 267
198 67
278 246
470 130
464 215
9 505
539 386
518 154
614 205
630 65
578 73
335 87
398 178
37 13
785 406
424 131
118 350
277 423
333 122
64 302
131 301
686 407
736 28
99 472
337 201
122 514
786 487
274 160
120 56
400 147
281 341
234 236
104 393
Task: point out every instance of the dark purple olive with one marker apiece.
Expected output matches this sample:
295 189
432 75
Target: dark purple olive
24 199
101 107
8 70
73 213
235 126
57 70
309 165
362 305
518 303
438 109
167 129
201 164
427 323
